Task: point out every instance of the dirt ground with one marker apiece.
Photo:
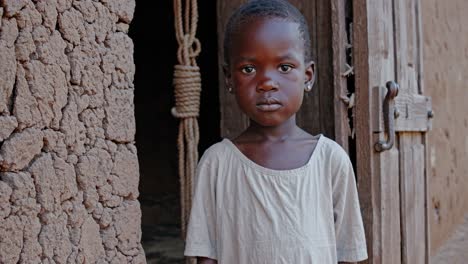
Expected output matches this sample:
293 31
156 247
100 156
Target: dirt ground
455 251
163 245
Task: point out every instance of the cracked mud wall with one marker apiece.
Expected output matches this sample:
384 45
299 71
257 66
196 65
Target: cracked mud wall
68 161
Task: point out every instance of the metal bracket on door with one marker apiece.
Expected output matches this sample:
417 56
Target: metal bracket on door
389 117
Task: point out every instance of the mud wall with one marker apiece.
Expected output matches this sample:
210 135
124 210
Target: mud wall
68 163
445 72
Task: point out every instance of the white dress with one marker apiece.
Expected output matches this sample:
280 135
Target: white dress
246 213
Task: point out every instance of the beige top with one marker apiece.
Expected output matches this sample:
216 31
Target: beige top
245 213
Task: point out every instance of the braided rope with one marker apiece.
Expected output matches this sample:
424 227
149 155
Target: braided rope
187 84
187 89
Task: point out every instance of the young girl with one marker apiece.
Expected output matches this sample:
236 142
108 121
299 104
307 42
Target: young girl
274 194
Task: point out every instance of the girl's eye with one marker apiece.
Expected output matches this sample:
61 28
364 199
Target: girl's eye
248 69
284 68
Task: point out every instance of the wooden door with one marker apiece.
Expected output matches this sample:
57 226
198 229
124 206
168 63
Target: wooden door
392 183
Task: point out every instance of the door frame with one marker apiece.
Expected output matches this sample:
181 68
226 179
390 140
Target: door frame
367 187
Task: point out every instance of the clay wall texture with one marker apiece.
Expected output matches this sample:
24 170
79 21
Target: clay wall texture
445 27
68 161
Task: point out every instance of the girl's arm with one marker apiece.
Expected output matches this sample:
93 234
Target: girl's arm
202 260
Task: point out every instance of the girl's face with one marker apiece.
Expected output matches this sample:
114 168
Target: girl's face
267 70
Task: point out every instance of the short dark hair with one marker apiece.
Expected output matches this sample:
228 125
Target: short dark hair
266 9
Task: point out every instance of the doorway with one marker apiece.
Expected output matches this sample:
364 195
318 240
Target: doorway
155 47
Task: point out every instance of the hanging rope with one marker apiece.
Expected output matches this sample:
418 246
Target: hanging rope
187 85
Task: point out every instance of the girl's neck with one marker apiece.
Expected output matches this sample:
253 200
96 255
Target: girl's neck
281 132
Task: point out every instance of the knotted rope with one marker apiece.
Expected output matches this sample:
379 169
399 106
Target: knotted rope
187 85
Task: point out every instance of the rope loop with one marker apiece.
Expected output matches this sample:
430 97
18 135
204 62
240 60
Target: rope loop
187 89
188 51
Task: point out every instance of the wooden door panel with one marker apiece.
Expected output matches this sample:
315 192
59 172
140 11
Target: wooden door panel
413 111
379 199
395 212
412 160
406 45
412 106
373 58
390 207
413 116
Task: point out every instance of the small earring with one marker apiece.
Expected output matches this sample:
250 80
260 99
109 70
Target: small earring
308 87
229 88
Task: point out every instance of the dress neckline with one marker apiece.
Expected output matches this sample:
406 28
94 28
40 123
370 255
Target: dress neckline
267 170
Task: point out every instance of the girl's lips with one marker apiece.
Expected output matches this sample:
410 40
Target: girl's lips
269 104
268 107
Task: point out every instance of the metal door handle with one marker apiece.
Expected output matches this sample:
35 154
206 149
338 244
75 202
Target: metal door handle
389 117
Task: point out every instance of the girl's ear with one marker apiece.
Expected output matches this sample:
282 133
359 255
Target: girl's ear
310 72
227 73
227 77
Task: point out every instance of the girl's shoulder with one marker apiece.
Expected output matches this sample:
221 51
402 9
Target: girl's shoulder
333 152
330 146
217 151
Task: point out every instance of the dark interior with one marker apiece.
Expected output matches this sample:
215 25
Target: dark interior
152 31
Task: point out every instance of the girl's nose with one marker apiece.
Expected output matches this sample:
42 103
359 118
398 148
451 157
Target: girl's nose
267 84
